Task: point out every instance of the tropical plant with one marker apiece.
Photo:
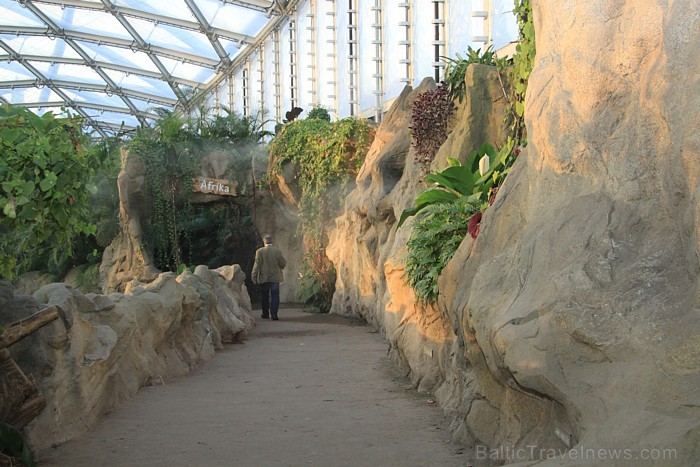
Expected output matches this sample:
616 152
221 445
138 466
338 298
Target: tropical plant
171 158
430 115
172 150
471 182
456 69
319 112
45 181
436 234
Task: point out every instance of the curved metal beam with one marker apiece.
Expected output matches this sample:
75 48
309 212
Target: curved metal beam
207 29
108 40
104 65
266 6
88 87
87 105
152 17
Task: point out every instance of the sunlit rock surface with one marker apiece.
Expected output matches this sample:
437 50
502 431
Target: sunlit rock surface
573 321
106 347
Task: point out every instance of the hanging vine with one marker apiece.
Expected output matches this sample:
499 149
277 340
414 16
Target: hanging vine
327 156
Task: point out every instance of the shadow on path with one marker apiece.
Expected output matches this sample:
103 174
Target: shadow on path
304 390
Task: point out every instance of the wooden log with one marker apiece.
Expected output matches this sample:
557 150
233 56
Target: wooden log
22 328
21 400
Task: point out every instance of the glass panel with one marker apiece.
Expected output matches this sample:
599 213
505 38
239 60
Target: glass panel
90 21
13 14
232 17
118 56
114 118
97 98
187 71
142 84
170 8
231 47
29 95
13 71
145 106
77 73
41 46
174 38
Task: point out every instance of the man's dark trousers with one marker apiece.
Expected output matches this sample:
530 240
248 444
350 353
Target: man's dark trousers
270 299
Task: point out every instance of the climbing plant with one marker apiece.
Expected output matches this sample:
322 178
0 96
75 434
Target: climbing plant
170 157
45 172
523 61
326 157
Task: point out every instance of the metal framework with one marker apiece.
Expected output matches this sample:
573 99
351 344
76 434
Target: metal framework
76 40
407 60
332 56
353 52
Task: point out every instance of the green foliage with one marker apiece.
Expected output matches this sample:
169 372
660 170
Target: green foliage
436 234
326 157
169 153
172 152
522 64
319 112
461 192
471 182
45 173
12 443
456 70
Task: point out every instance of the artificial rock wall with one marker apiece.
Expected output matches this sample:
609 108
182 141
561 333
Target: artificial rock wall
106 347
572 321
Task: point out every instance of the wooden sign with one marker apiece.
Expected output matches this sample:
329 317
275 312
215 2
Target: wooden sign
214 186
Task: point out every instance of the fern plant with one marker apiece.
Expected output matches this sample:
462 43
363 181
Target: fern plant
436 235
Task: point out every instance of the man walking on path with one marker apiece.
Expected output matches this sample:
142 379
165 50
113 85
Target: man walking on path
267 273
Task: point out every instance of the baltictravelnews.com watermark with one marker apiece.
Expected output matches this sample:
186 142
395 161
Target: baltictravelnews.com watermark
577 453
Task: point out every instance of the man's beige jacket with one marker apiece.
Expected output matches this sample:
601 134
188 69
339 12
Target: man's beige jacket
268 265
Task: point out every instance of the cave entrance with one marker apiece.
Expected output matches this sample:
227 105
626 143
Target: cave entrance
222 232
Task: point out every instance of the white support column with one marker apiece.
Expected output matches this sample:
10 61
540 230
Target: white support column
293 85
332 56
311 59
276 76
486 37
246 88
439 43
353 52
407 59
261 80
231 91
378 60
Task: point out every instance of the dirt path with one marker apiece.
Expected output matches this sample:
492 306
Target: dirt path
305 390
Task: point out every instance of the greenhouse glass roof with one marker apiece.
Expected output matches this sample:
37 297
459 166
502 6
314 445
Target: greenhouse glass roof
115 61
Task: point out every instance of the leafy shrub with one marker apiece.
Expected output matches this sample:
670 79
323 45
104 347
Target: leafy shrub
319 112
435 237
430 115
45 172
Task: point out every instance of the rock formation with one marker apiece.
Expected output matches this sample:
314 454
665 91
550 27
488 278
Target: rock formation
106 347
126 258
571 323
